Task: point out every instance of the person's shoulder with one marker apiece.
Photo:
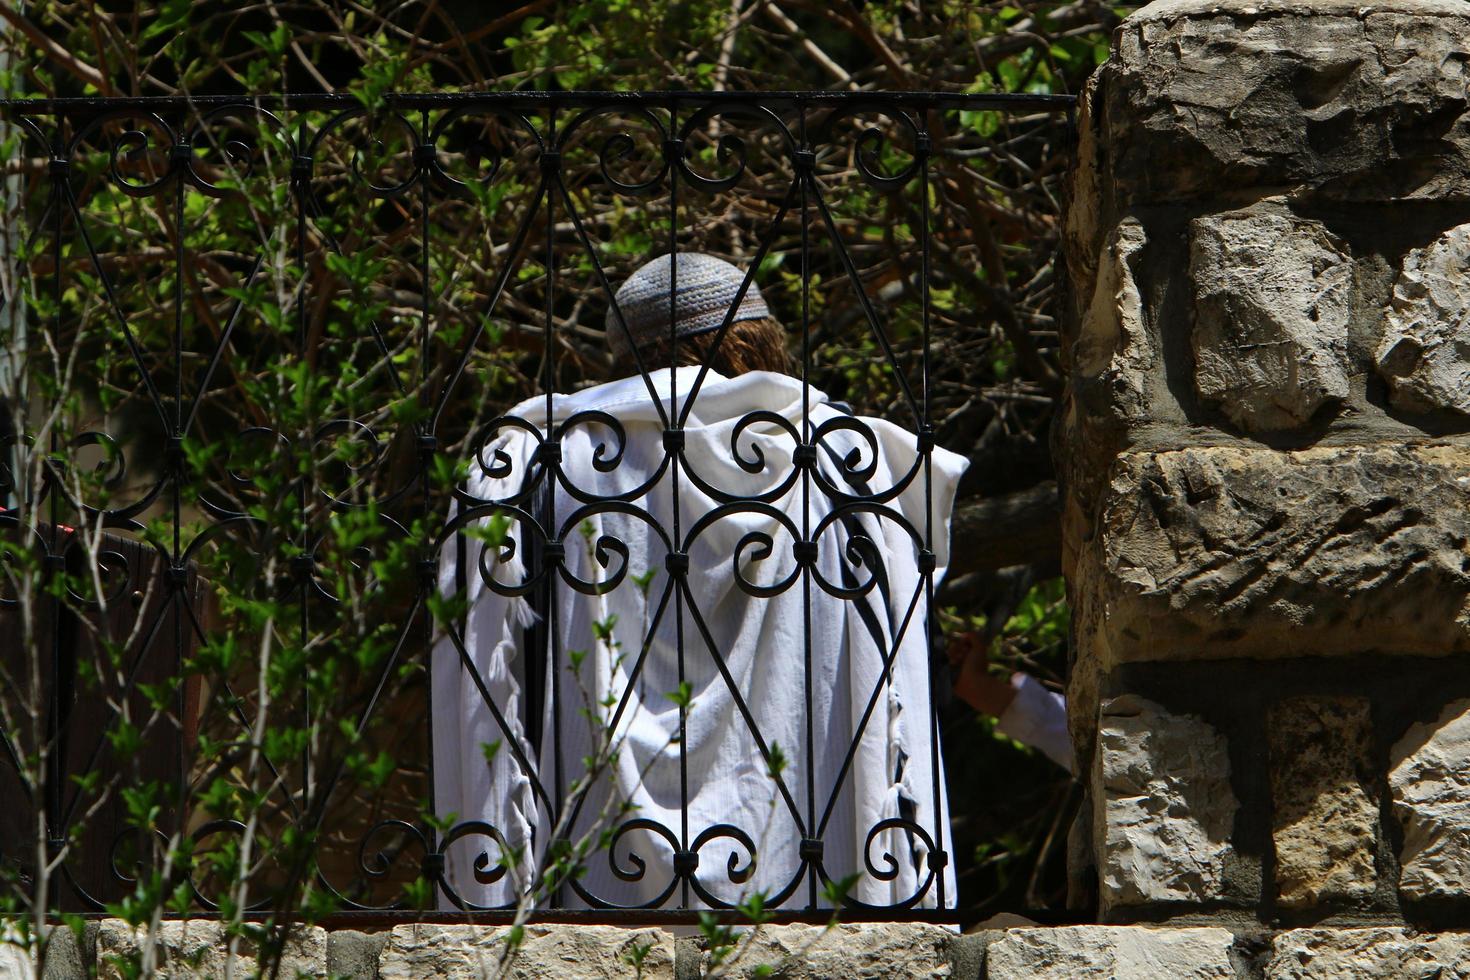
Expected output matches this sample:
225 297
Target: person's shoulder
619 397
768 390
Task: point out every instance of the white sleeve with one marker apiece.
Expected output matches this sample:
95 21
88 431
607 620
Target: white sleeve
1037 717
493 789
897 446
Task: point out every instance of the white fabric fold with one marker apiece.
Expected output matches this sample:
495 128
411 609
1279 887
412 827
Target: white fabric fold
1037 716
876 664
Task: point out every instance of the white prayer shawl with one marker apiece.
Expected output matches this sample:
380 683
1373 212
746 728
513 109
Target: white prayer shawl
725 774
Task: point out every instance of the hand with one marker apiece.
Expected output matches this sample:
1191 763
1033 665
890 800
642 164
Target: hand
968 655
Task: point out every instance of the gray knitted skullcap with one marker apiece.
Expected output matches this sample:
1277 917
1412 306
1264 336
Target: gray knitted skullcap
707 287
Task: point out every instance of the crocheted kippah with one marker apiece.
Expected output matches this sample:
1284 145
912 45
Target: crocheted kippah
707 286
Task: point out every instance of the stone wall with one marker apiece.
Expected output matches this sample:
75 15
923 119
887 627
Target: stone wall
848 952
1266 457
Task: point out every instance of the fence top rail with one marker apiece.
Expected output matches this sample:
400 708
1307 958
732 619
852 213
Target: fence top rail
1006 101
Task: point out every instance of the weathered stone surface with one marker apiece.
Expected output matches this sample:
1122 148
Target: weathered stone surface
1165 10
1345 99
1325 815
967 951
354 955
558 952
1087 216
1116 366
1111 953
1272 300
199 948
876 951
1218 552
1429 778
1368 954
1114 355
1164 806
1216 150
67 958
1425 352
687 955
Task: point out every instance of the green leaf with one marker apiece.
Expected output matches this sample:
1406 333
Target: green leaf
683 697
172 15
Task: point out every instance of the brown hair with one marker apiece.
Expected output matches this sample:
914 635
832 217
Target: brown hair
749 345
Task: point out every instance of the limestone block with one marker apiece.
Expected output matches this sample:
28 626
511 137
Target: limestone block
1325 814
871 951
1087 216
1163 10
199 948
1114 354
1347 99
1368 954
1425 351
1429 778
354 955
1216 552
68 955
1111 953
1272 300
551 952
1165 809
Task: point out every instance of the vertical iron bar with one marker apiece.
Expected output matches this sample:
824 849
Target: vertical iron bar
302 179
307 796
427 445
673 149
922 150
54 761
938 860
178 364
179 589
303 616
552 177
424 248
805 173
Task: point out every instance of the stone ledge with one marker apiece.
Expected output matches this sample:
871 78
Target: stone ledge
200 948
1167 10
868 951
1349 954
552 952
857 951
1103 952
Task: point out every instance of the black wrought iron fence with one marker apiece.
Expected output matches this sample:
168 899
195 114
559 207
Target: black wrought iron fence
660 642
